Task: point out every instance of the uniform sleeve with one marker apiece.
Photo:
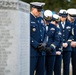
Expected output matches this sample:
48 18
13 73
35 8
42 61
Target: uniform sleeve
33 42
71 36
60 48
45 36
56 40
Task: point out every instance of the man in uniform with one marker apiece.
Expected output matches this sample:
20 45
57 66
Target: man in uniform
66 30
72 18
37 35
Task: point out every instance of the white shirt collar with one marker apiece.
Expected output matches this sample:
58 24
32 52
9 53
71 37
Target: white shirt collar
63 23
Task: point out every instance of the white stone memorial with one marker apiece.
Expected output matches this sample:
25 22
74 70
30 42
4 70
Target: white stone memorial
14 37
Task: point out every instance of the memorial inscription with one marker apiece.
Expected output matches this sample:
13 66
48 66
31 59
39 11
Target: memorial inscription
14 38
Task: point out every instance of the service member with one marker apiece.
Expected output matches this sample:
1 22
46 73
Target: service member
72 19
66 30
37 34
52 42
57 66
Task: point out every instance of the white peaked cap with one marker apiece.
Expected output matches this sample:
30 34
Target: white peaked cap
56 16
37 4
71 11
48 13
62 11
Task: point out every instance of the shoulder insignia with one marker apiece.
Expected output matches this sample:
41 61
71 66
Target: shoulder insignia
52 29
68 27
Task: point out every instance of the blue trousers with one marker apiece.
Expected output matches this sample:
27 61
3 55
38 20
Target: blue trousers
37 63
73 62
50 61
66 62
57 66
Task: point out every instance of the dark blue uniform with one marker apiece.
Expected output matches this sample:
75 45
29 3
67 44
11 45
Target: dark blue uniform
67 38
53 41
57 66
41 20
74 50
37 34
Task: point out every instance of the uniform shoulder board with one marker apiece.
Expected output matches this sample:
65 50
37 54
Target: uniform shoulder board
68 27
52 29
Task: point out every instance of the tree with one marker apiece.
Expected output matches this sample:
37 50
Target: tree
56 5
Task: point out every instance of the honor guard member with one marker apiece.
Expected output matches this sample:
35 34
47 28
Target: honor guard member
52 42
66 29
37 54
57 66
72 18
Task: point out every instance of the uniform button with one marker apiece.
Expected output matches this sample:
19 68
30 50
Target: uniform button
41 35
63 30
63 39
63 35
40 31
41 39
32 41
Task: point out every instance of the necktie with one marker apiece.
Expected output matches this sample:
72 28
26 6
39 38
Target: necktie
63 24
46 28
46 32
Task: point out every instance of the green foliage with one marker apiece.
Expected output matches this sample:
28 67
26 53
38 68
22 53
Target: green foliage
56 5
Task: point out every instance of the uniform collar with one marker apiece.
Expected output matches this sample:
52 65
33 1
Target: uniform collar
33 14
63 22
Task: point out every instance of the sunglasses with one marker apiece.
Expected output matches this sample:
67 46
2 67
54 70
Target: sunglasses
64 16
39 10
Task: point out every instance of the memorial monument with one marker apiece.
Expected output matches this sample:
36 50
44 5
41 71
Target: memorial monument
14 37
